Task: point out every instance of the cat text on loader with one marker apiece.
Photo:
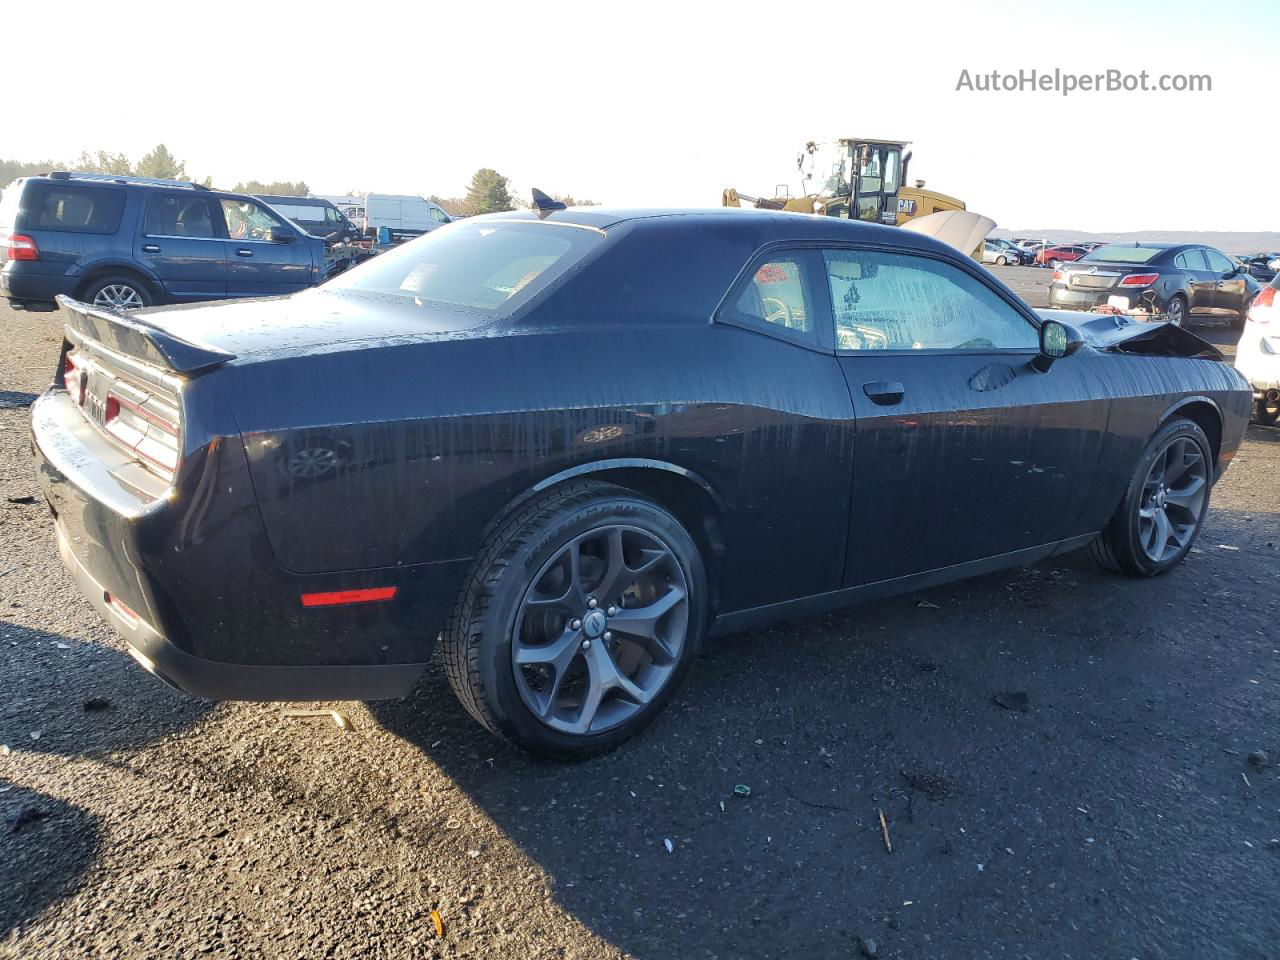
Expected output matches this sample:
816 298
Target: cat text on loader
854 178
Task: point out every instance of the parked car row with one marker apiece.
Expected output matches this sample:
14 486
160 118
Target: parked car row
131 242
1176 280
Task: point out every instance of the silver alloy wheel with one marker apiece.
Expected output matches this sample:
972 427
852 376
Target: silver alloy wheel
119 296
1177 312
1173 497
600 630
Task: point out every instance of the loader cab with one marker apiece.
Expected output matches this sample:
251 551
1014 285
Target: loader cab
857 179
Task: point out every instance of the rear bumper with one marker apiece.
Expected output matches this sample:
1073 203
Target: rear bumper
30 291
215 680
1066 298
191 588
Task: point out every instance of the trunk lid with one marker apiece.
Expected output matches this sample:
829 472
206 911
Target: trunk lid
310 321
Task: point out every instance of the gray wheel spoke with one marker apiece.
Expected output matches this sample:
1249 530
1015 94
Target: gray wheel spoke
617 577
1162 532
1188 498
643 621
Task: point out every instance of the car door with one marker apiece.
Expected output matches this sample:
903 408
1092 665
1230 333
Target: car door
962 449
180 241
1230 288
1202 282
256 265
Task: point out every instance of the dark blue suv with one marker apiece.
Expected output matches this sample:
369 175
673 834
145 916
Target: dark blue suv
129 242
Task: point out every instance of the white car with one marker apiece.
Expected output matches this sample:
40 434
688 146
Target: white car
1258 353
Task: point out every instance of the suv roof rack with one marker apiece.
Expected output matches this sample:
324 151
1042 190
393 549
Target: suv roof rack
120 178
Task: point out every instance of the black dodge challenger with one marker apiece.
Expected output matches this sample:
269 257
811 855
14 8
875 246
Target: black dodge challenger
571 445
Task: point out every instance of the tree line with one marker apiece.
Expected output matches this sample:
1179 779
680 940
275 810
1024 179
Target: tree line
488 191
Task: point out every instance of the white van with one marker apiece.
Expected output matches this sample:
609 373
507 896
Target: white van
404 215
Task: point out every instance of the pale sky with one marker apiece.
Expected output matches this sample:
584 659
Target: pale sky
665 104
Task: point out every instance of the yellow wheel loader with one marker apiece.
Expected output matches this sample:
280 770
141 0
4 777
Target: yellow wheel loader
863 179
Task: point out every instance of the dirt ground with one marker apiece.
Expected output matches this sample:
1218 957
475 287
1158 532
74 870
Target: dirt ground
1118 816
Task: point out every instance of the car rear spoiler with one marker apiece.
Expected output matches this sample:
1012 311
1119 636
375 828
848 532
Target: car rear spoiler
132 335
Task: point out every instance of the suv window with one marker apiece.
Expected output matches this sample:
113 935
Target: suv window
178 215
893 301
439 216
775 295
247 220
1217 262
51 206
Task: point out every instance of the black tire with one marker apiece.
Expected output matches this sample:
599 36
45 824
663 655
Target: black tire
1243 316
1117 547
1177 310
476 644
1001 261
1266 412
97 288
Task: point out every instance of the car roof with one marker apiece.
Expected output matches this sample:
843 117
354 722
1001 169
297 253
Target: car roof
285 198
781 225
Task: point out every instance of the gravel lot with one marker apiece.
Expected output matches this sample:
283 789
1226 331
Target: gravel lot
1119 816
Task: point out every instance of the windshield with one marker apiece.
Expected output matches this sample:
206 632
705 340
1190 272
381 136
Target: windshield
1123 253
827 167
486 266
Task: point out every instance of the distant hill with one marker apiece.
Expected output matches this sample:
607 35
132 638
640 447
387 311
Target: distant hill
1228 241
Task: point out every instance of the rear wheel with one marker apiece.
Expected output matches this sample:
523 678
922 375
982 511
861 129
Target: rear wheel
118 292
1001 261
1177 310
1267 412
582 617
1164 505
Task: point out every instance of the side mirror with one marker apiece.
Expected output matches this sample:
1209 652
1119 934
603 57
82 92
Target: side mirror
282 234
1057 340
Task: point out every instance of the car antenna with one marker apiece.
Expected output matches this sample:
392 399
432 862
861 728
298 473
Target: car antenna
544 205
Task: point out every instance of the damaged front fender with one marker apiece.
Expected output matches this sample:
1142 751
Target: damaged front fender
1123 334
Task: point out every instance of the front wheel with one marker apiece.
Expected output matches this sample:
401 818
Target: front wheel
582 617
1267 412
1001 261
1164 505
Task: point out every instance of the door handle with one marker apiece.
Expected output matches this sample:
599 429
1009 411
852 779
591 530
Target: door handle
884 392
150 248
242 252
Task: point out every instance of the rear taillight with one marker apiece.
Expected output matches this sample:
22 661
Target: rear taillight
1059 275
73 380
1139 279
22 247
150 434
1266 298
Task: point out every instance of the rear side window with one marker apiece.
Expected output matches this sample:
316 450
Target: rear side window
1190 260
489 267
178 215
776 295
51 206
891 301
301 212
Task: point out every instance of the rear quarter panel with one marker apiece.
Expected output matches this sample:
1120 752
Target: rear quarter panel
403 454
